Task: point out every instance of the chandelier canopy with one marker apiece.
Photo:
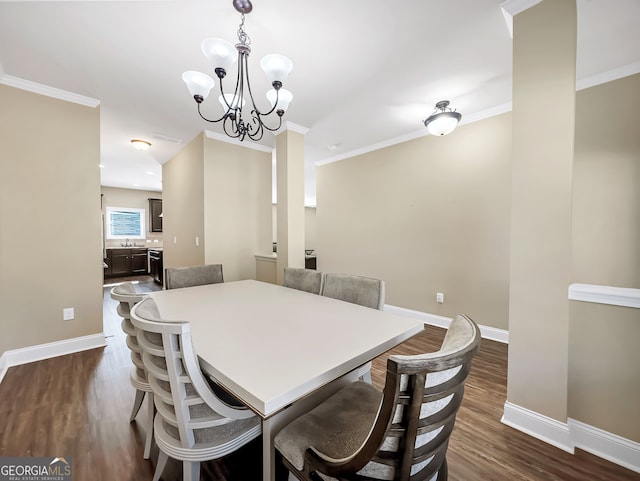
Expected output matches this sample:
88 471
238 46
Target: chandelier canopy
443 120
222 55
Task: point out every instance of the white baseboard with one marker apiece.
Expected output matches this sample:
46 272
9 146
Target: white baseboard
25 355
605 445
539 426
574 434
3 366
487 332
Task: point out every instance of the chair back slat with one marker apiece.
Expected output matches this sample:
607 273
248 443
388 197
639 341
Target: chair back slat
127 297
420 401
430 391
187 405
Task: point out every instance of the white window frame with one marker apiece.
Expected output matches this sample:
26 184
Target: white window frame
141 213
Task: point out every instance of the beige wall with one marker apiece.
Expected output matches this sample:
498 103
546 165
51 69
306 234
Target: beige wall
395 214
604 359
183 206
221 194
135 199
50 237
237 202
429 215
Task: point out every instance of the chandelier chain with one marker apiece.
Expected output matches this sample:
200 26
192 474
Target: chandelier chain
242 35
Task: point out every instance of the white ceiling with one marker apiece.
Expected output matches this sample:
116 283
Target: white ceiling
366 72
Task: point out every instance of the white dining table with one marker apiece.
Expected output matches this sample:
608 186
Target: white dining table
280 350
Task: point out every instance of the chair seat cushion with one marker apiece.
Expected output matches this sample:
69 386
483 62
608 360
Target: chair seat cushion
337 428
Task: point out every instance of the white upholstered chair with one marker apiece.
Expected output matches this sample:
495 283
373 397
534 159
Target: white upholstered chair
399 434
127 297
192 424
177 277
307 280
365 291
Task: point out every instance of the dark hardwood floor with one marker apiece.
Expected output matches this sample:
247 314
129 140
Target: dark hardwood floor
78 406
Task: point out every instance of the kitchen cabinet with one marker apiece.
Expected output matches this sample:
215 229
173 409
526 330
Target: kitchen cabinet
155 211
155 265
121 262
126 262
107 263
138 261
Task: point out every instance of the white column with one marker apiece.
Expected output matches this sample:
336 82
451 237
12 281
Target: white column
290 198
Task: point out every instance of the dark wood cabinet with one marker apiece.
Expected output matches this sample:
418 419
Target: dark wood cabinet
107 263
121 262
155 265
126 262
138 261
155 211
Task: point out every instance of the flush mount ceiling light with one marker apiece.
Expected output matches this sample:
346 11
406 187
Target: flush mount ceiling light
443 120
222 55
140 144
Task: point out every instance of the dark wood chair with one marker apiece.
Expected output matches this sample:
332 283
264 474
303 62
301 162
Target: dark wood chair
399 434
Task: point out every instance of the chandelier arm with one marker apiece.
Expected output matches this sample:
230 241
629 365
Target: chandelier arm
235 93
257 135
235 132
275 128
209 120
255 107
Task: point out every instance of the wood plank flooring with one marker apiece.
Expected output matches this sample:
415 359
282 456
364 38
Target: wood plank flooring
78 406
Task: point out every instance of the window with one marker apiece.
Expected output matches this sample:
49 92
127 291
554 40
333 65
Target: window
125 223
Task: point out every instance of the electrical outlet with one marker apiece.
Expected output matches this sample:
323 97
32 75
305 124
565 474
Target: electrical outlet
440 297
197 241
68 314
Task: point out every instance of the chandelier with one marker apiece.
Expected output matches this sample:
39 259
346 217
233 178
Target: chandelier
443 120
236 122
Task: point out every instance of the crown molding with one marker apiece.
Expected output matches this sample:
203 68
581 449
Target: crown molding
53 92
293 128
608 76
229 140
511 8
466 119
514 7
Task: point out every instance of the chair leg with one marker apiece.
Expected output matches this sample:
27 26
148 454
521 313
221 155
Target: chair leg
136 404
162 462
281 471
191 470
151 409
366 377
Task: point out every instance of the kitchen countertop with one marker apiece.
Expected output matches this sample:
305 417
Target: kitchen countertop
135 247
